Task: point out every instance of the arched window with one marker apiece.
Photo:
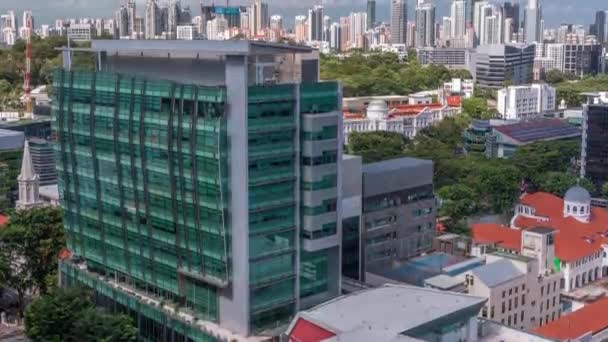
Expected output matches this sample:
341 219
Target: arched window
568 208
575 210
582 210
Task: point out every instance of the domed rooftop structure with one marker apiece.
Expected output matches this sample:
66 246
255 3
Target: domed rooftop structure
577 194
377 110
577 204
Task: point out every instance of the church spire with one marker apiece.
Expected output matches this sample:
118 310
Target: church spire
27 170
28 182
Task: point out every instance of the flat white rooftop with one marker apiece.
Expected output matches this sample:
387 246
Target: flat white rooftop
389 310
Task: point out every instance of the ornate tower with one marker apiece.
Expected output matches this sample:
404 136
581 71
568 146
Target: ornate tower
29 182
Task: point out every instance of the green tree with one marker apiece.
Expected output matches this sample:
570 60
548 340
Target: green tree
558 183
70 315
458 201
31 242
498 185
476 108
605 191
376 146
536 159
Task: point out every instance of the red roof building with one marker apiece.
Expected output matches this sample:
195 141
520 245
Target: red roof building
582 324
3 220
581 233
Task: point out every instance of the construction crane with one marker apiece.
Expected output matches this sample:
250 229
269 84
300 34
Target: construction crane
28 68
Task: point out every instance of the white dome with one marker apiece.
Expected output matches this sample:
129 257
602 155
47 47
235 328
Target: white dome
577 194
377 110
577 204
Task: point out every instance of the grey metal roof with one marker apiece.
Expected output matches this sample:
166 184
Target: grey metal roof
394 164
225 47
497 273
390 309
577 194
445 282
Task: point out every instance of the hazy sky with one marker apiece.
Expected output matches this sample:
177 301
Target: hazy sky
45 11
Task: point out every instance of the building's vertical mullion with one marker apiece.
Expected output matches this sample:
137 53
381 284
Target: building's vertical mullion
96 167
180 134
121 191
134 178
67 196
172 187
194 173
70 122
144 171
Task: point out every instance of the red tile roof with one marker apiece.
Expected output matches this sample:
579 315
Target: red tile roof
408 109
592 318
3 220
64 254
305 331
573 239
502 236
454 101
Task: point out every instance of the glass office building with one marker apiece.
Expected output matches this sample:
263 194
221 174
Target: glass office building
200 184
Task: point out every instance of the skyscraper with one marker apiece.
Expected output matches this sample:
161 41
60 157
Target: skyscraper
471 11
601 26
258 18
458 20
532 22
173 12
315 23
371 13
425 24
131 15
398 21
152 20
511 11
358 28
335 37
300 29
121 23
200 198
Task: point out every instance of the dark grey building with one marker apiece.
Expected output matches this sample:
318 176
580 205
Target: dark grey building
582 59
594 164
601 26
371 14
43 160
351 216
496 66
511 10
399 211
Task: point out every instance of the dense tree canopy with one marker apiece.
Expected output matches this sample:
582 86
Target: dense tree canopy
571 90
70 315
472 184
30 243
383 74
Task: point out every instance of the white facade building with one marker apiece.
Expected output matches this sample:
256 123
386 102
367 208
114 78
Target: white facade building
80 32
187 32
524 102
458 87
406 120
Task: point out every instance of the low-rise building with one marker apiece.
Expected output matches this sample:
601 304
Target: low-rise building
399 210
504 140
81 32
588 324
522 293
390 313
581 238
495 66
462 88
525 101
453 58
407 119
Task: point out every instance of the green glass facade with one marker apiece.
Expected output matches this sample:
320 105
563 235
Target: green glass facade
143 169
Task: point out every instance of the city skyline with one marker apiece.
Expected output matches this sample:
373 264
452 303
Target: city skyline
554 11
